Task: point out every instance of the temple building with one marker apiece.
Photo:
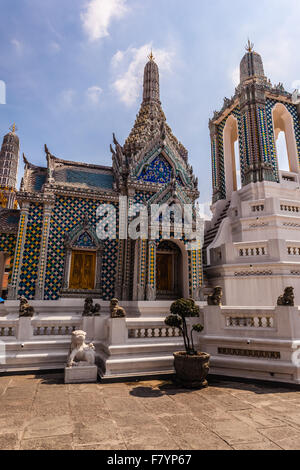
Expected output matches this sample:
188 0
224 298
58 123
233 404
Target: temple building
49 247
252 243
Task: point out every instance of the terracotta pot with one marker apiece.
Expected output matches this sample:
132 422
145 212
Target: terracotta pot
191 371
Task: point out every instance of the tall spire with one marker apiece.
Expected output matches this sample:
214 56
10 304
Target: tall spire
9 161
151 81
251 64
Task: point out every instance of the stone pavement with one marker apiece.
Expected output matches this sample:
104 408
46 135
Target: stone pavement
40 412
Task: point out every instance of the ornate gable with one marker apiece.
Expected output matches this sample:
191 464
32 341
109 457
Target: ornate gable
151 155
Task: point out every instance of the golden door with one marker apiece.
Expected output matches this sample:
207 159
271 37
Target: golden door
82 275
164 272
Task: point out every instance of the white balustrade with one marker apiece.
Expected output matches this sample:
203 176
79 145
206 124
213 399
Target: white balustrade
255 321
153 332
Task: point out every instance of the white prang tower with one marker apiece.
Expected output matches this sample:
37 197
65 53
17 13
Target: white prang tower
252 244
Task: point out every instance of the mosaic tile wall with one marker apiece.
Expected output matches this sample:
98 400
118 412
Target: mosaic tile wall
8 244
29 269
158 171
236 114
67 214
293 110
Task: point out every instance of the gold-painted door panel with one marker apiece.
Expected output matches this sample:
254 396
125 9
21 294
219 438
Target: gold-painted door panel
82 274
164 272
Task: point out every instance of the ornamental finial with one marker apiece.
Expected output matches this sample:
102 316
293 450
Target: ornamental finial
13 128
249 46
151 57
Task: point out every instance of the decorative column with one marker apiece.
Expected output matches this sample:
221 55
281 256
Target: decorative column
40 282
18 258
141 269
196 273
151 286
127 267
2 268
257 164
120 264
215 161
121 245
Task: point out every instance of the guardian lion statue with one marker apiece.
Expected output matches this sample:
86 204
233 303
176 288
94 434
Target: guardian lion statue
81 354
25 310
216 297
287 299
90 309
115 310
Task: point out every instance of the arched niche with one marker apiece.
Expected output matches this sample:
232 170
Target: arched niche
283 122
172 261
231 159
83 258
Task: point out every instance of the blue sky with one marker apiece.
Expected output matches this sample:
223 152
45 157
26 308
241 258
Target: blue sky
73 68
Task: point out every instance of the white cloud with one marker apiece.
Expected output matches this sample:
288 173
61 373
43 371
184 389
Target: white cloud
54 47
93 94
235 76
67 98
17 45
204 210
128 69
98 15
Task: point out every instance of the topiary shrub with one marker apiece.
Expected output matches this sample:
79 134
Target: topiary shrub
180 310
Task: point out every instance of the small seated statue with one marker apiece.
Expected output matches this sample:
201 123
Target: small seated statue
25 310
90 309
115 310
287 299
216 297
81 354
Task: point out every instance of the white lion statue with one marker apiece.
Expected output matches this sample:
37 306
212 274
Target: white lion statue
81 354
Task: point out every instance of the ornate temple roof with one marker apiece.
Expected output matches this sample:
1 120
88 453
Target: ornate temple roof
66 173
151 119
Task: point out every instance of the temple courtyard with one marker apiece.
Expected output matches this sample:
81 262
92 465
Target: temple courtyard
41 412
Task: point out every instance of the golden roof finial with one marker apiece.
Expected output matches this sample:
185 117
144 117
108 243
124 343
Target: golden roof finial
13 128
151 57
249 47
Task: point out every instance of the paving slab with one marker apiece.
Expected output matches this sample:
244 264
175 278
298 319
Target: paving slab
41 412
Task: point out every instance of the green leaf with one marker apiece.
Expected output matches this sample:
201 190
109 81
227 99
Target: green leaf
198 327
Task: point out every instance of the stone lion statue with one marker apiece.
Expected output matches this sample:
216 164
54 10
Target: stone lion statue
287 299
81 353
90 309
115 310
216 297
25 310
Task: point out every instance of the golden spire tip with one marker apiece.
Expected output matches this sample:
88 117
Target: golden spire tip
13 128
151 56
249 47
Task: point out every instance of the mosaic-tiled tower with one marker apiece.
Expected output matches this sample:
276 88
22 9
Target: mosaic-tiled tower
9 161
247 118
152 168
252 243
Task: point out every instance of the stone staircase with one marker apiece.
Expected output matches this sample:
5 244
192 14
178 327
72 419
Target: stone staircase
147 350
211 234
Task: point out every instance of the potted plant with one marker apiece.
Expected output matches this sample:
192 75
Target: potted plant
191 366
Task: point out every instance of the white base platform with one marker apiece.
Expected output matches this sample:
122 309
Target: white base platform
81 374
